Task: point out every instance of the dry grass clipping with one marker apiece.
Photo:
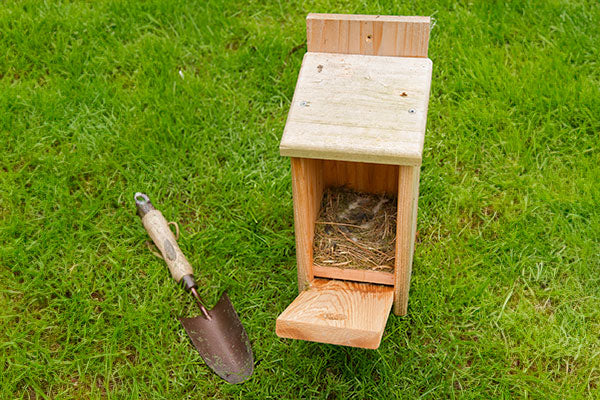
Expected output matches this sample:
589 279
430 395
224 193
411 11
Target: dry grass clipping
356 230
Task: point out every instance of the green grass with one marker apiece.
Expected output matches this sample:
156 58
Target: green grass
505 295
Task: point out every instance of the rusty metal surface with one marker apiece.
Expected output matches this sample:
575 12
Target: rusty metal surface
222 341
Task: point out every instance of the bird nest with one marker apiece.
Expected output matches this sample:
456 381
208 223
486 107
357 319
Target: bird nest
355 230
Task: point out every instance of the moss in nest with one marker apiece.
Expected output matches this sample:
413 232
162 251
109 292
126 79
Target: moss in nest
355 230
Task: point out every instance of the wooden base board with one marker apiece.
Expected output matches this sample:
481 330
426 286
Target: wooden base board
338 312
357 275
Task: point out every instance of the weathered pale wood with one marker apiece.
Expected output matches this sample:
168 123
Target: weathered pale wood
359 108
408 184
158 229
337 312
375 35
307 190
356 275
413 235
362 177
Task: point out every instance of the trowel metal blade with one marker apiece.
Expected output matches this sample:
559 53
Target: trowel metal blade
222 341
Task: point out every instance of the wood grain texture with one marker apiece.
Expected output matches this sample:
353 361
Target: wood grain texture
374 35
337 312
163 238
415 209
357 119
362 177
356 275
307 190
359 108
408 184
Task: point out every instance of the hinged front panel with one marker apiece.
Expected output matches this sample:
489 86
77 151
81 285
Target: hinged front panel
338 312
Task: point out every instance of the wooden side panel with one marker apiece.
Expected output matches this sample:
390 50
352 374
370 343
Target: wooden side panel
374 35
363 177
336 312
356 275
307 189
413 235
408 184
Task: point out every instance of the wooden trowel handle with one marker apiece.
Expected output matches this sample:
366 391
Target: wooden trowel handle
163 238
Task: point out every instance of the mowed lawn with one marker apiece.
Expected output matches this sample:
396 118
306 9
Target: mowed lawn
505 295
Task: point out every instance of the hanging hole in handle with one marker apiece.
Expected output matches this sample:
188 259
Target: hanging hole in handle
141 198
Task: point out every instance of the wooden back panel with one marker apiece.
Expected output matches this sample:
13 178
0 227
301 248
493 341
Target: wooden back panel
362 177
374 35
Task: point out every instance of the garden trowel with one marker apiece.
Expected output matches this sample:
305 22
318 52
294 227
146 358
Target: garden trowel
217 334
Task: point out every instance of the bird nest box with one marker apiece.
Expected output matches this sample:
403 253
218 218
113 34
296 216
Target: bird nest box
355 134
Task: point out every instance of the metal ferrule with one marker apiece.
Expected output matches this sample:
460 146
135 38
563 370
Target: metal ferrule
188 282
143 204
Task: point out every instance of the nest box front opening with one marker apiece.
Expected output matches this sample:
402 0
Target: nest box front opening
354 232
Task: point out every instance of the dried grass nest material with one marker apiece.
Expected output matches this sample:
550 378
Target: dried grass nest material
355 230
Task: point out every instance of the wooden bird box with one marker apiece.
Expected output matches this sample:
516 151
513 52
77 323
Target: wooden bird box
355 134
